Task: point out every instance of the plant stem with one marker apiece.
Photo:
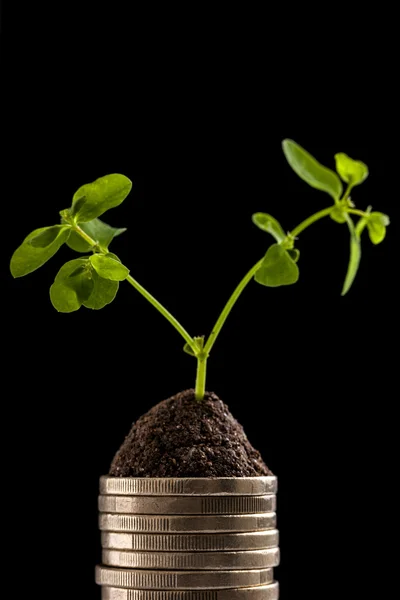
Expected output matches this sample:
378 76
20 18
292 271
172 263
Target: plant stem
247 278
84 235
228 307
163 311
316 217
355 211
180 329
201 376
347 193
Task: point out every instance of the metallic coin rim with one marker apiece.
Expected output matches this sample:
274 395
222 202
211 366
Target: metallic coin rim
262 592
181 580
186 486
200 561
194 505
189 542
186 523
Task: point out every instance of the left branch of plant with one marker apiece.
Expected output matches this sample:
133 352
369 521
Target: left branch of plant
97 248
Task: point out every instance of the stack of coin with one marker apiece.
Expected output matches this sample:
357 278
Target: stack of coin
188 539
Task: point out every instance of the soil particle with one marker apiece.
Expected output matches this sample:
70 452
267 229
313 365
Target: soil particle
181 437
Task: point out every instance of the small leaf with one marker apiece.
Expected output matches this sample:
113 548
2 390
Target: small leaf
278 268
351 171
355 256
294 254
65 215
94 199
188 349
311 171
380 218
99 231
270 225
70 291
377 224
199 342
108 268
27 258
47 236
103 293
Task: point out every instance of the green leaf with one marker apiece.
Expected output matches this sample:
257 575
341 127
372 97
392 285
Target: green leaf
47 236
311 171
294 254
351 171
99 231
377 224
79 270
94 199
114 256
108 268
103 293
355 256
28 257
270 225
188 349
72 285
278 268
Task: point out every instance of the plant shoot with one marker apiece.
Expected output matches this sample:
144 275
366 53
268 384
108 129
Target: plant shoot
93 279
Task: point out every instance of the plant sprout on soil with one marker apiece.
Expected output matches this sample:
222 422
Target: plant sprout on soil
93 279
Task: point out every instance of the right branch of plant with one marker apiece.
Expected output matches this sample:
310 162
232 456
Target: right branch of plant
93 279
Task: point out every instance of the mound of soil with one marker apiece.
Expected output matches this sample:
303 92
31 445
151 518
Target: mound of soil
181 437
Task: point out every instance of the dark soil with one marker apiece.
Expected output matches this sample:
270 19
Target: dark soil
181 437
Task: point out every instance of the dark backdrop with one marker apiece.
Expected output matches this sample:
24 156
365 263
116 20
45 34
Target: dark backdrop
195 119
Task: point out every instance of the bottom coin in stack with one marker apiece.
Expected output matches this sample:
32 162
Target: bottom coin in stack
263 592
182 580
252 559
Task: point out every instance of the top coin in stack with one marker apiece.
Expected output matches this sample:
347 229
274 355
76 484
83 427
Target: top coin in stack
186 486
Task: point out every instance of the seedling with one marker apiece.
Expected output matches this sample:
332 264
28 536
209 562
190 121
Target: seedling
93 280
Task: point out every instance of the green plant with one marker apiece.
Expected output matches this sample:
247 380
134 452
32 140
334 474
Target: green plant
93 280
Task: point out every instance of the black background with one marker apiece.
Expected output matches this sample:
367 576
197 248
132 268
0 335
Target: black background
193 109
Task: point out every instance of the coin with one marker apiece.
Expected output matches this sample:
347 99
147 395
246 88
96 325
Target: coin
262 592
202 542
181 580
195 505
202 486
191 523
253 559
